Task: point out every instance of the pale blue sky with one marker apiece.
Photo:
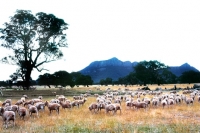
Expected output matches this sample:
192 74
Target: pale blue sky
131 30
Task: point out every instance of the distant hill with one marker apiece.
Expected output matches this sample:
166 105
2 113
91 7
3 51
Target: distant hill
114 68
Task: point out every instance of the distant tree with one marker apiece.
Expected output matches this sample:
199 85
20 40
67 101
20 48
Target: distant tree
131 79
167 77
3 83
122 80
190 77
62 78
34 40
149 71
102 82
45 79
85 80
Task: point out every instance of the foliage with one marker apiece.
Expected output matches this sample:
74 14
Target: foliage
149 72
64 78
106 81
190 77
34 40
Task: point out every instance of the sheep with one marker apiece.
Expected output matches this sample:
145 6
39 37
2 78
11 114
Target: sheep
129 104
94 106
13 108
118 107
170 102
22 111
75 103
147 100
40 106
40 97
28 102
32 109
66 105
35 100
110 107
23 99
164 102
19 102
117 101
189 101
55 101
101 106
140 105
155 102
9 101
81 102
25 96
52 106
61 98
7 116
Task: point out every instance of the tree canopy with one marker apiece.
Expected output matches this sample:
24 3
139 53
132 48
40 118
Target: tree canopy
34 40
149 71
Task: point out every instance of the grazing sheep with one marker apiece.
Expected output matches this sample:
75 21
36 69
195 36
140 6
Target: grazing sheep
189 101
13 108
170 102
40 106
110 107
178 100
61 98
32 109
9 101
164 102
65 105
101 106
147 101
35 100
117 101
52 106
129 104
22 111
155 102
25 96
81 102
7 116
28 102
40 97
93 106
118 107
140 105
75 103
23 99
19 102
55 101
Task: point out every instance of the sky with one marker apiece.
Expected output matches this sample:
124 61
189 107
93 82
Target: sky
131 30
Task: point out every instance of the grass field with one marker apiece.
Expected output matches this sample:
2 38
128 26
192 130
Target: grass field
175 119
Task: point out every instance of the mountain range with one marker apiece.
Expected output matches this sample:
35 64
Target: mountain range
114 68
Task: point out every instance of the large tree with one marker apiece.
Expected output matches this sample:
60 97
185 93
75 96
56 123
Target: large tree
190 77
34 40
149 71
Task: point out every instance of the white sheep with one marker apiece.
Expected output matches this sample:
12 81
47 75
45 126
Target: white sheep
7 116
52 106
22 111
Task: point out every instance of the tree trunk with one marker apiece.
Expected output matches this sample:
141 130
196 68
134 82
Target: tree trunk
27 78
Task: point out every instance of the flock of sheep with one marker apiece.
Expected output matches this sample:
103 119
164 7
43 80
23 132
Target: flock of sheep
110 101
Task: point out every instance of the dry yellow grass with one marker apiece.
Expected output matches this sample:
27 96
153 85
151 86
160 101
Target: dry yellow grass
177 118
